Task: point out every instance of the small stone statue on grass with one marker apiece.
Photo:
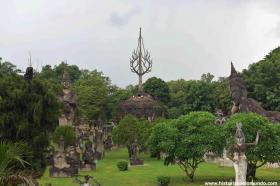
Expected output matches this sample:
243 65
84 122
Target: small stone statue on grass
134 160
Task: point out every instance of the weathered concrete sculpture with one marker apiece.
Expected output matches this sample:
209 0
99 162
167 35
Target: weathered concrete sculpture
68 99
134 151
141 105
60 167
237 154
220 117
241 103
88 157
140 62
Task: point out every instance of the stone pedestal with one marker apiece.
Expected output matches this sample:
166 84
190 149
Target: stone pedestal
136 161
88 167
64 172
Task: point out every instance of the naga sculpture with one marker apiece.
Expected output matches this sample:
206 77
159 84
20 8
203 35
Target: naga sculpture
237 154
241 102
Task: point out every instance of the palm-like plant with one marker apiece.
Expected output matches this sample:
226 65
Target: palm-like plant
12 164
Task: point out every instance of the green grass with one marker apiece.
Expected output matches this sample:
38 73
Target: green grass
108 174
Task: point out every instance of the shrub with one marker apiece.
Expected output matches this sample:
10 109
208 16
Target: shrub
163 180
122 165
68 134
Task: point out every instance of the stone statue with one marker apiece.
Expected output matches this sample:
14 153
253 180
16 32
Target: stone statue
221 119
88 158
241 103
68 99
64 165
237 154
134 151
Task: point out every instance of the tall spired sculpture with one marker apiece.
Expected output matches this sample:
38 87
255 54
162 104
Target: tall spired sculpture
140 62
141 105
68 100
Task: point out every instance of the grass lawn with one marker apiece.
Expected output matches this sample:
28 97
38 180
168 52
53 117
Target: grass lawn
108 174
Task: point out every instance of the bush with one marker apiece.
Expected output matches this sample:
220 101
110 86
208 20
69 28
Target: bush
68 134
163 180
122 165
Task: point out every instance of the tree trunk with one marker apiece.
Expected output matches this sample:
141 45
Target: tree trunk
129 151
240 167
251 171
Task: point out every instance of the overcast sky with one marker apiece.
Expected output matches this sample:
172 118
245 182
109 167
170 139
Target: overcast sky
186 38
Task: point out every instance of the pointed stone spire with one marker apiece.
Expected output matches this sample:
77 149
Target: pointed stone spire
233 72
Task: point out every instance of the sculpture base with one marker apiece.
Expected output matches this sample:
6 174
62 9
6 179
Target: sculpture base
88 167
136 161
65 172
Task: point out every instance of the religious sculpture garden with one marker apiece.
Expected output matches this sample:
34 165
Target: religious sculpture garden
67 126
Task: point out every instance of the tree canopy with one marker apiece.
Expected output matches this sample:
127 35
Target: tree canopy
157 88
263 80
28 111
186 139
268 148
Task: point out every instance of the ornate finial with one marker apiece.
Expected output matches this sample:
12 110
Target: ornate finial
140 62
29 70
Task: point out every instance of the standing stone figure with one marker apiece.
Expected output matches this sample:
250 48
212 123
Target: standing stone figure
237 154
68 100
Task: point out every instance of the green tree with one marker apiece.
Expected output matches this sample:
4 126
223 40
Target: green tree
268 148
54 75
12 164
186 139
67 133
263 80
29 111
92 91
157 88
192 95
129 130
115 96
222 95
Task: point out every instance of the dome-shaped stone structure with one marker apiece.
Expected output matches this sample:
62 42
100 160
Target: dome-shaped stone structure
142 106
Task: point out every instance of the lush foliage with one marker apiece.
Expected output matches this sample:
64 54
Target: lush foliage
131 130
157 88
67 133
12 162
268 148
186 139
163 180
54 75
263 80
28 111
92 93
198 95
122 165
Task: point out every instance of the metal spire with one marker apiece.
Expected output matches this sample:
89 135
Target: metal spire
140 62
